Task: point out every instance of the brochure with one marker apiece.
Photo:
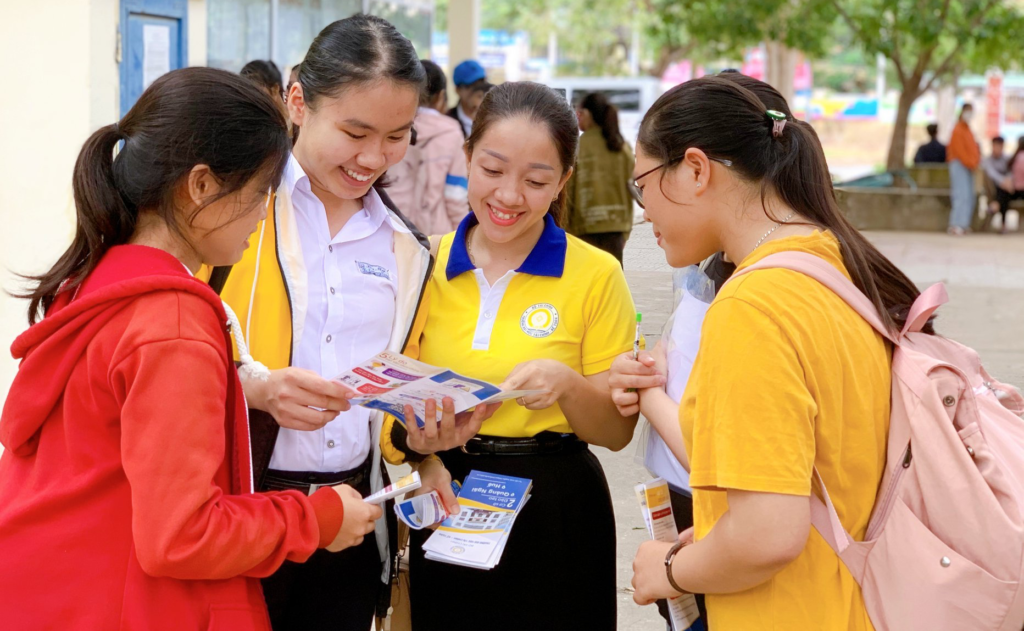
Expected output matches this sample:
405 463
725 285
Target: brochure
406 484
390 381
476 537
424 511
656 506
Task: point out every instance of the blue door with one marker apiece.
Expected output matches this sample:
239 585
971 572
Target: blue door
153 42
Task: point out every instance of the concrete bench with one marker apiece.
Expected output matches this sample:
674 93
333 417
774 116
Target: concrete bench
891 208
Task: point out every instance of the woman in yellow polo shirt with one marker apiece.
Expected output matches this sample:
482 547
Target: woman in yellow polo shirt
515 300
788 378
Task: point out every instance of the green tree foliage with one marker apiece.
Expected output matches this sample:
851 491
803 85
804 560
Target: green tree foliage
928 41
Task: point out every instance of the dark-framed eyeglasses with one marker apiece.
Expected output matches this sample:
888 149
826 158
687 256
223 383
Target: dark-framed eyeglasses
638 192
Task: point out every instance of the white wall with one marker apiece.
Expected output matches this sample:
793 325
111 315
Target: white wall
58 56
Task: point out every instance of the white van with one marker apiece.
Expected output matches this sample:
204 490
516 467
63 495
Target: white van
633 96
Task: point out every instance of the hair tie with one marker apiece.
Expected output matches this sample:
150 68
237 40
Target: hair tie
778 122
119 132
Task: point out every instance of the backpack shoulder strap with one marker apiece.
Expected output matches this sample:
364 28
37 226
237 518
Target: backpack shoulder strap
821 271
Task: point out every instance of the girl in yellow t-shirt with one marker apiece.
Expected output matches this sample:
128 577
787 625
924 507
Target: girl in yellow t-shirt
516 301
787 379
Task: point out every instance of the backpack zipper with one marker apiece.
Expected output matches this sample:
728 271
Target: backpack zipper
890 495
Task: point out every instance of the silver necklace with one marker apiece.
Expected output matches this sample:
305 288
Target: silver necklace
777 226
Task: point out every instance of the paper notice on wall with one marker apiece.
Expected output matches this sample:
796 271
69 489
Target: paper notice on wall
156 52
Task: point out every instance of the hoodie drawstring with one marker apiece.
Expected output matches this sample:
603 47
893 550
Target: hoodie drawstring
250 368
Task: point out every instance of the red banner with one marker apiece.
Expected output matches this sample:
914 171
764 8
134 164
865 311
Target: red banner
993 105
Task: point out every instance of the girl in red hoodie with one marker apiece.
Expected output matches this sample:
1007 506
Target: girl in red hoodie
125 489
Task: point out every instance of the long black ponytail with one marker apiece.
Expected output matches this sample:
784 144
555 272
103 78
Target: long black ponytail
606 116
729 121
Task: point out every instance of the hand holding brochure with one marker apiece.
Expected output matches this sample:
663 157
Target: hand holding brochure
656 505
476 537
390 381
424 511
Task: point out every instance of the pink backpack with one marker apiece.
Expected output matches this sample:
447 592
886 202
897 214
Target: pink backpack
944 549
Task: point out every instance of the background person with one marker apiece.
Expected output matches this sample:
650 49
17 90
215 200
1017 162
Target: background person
429 183
266 75
933 151
998 183
471 85
599 205
963 157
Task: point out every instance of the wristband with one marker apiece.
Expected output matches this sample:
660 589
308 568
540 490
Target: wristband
676 547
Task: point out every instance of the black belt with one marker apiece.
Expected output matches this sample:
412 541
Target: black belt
542 443
309 481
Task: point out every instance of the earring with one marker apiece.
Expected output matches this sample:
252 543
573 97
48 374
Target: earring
698 184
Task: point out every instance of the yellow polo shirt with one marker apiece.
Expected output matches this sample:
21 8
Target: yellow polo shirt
788 377
568 302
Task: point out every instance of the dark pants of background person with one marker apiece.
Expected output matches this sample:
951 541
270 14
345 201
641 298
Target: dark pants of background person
1004 198
682 511
331 591
611 242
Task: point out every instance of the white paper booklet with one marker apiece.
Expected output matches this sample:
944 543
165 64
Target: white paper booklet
656 506
476 537
406 484
390 381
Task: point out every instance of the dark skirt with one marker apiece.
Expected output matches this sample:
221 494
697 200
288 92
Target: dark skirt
558 568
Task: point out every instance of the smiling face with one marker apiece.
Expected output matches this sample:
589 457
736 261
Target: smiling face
514 175
350 140
681 213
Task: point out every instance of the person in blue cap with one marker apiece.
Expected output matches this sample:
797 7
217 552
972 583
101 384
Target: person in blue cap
471 85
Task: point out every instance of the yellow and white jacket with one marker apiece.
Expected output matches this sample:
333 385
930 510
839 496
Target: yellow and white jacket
267 290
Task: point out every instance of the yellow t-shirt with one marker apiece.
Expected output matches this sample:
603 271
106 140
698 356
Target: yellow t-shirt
788 377
569 302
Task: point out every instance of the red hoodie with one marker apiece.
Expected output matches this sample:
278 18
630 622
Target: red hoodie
125 490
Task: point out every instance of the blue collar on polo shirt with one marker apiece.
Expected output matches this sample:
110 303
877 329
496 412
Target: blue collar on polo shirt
546 259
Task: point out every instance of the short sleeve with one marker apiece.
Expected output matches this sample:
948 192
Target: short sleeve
751 412
611 321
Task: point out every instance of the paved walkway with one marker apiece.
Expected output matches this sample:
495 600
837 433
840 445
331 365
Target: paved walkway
984 275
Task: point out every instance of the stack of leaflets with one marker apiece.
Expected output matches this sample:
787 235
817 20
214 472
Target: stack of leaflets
476 537
390 381
656 506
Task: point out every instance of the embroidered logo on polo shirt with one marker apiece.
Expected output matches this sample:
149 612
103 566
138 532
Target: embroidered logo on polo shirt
540 320
373 270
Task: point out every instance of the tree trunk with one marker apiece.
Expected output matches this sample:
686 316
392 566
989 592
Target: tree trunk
897 159
780 68
666 56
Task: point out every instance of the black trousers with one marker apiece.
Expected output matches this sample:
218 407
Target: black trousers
558 568
682 512
331 591
1004 198
613 243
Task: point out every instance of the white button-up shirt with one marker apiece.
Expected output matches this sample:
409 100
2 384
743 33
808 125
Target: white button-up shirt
352 283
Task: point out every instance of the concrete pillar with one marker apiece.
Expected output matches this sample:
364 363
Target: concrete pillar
463 35
197 33
945 111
